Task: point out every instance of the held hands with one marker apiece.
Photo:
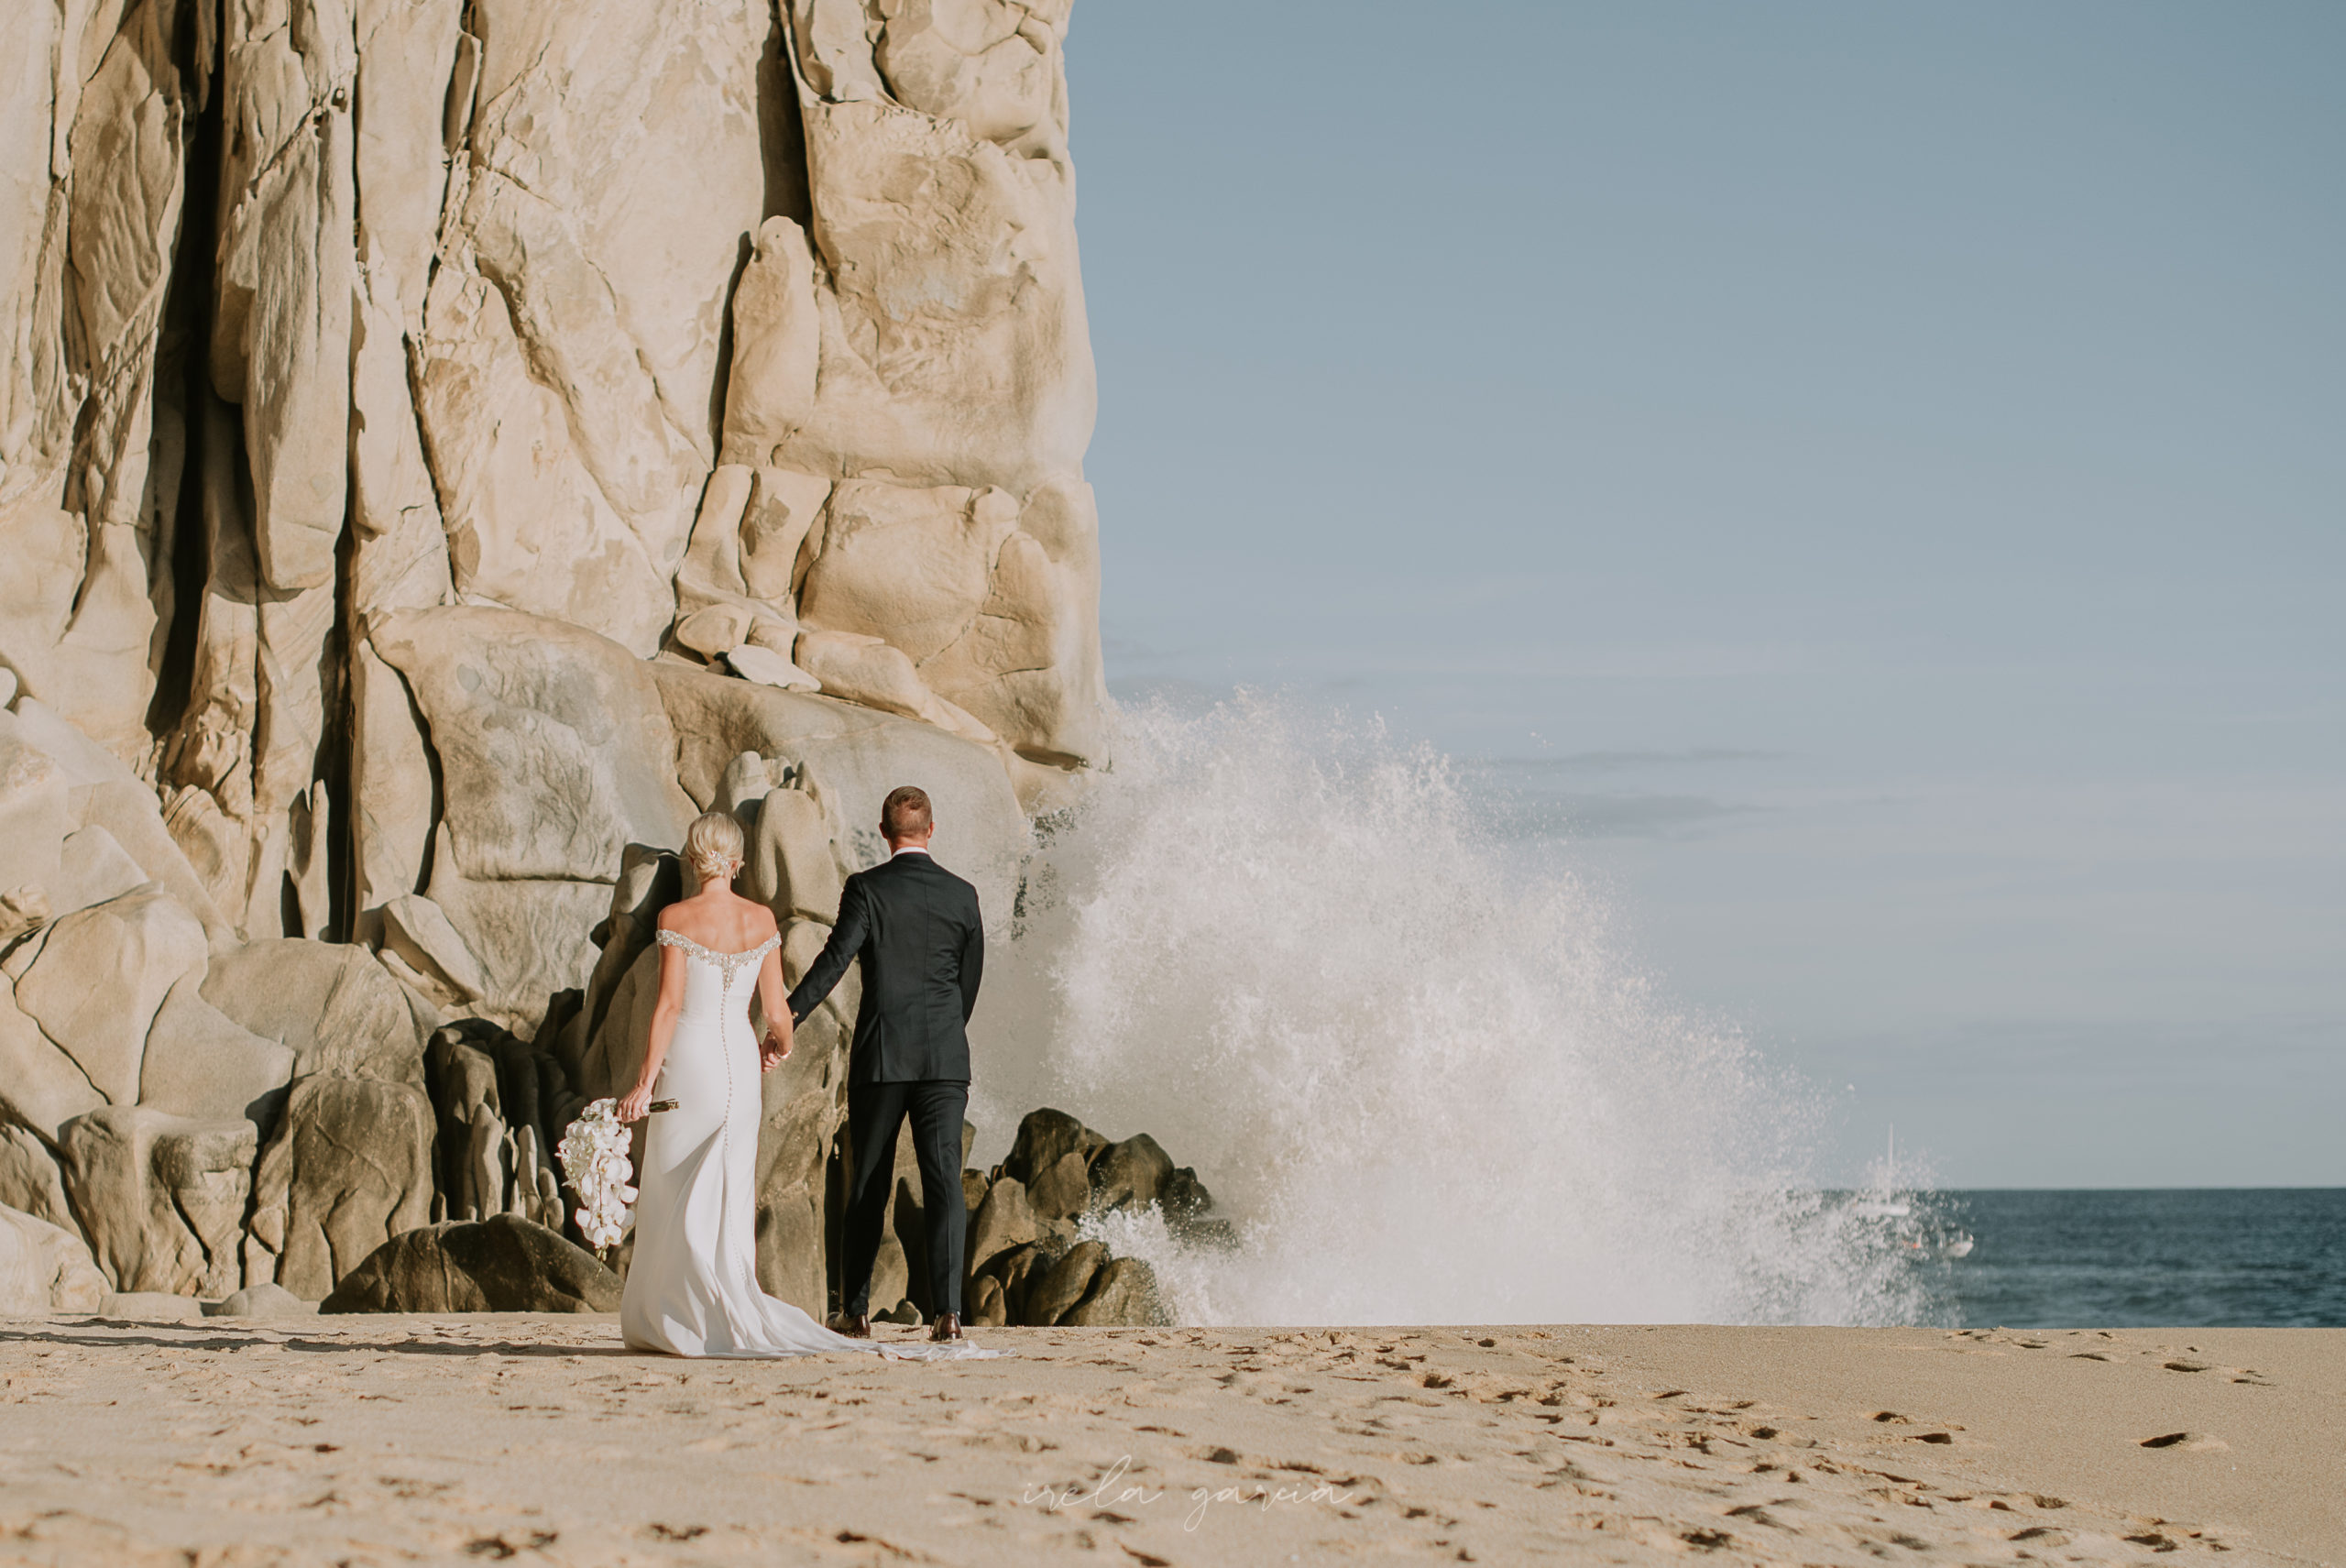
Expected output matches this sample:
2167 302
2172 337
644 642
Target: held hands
772 1052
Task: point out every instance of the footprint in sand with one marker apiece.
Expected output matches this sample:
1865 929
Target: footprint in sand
2189 1441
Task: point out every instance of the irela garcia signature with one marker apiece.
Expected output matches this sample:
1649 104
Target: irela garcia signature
1113 1488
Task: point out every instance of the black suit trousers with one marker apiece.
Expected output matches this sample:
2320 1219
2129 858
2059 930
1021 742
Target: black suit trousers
875 1113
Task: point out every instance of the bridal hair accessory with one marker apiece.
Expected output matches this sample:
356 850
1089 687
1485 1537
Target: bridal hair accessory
713 846
594 1152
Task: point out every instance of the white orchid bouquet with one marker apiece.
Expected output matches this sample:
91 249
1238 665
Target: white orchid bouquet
594 1151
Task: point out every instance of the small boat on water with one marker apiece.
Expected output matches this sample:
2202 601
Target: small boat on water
1917 1237
1884 1203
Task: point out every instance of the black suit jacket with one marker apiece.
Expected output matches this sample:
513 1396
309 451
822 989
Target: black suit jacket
914 928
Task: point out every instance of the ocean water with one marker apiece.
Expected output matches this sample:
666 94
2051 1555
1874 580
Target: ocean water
2243 1257
1429 1086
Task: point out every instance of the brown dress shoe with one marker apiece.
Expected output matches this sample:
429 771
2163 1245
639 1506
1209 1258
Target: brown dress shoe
948 1327
857 1326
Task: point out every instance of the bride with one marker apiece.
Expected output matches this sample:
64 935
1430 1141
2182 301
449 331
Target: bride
692 1286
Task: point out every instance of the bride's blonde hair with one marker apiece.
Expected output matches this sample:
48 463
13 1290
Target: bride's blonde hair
713 846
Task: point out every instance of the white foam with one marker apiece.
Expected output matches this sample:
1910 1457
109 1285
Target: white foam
1411 1066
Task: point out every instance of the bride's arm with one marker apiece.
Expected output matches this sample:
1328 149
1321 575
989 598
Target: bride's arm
773 997
671 1001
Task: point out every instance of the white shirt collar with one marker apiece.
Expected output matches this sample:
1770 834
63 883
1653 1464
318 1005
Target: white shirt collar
909 850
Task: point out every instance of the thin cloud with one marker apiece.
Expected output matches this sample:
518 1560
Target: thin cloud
1615 762
1585 816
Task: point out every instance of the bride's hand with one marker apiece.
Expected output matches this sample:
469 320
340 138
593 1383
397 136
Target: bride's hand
772 1052
637 1105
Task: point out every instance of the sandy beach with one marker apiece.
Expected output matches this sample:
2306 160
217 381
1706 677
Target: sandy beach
540 1439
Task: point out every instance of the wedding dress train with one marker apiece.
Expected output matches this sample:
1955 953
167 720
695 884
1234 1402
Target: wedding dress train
692 1283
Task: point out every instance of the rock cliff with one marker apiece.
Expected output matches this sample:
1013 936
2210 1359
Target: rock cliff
443 446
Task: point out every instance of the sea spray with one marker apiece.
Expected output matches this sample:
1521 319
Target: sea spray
1409 1058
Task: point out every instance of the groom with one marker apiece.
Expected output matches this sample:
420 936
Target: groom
915 926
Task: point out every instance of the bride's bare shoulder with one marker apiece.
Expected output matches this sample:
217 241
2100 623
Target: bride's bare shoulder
724 923
755 924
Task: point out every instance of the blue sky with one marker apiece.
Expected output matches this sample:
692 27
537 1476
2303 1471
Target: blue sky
1866 482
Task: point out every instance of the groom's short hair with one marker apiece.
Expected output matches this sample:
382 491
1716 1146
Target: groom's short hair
905 812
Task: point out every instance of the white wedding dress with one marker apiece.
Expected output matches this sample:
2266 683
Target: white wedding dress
692 1283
